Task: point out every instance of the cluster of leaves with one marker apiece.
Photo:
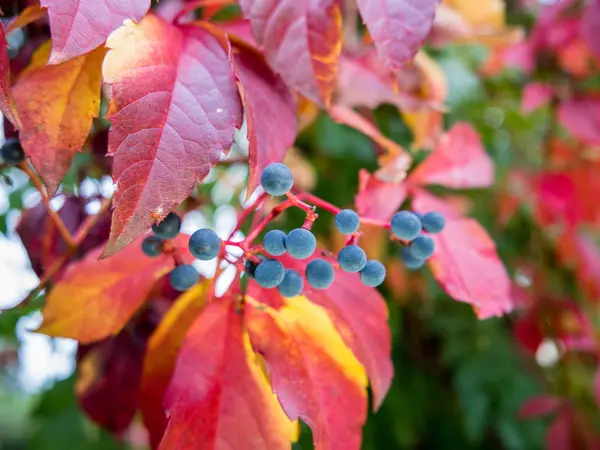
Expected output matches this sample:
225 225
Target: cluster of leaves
167 93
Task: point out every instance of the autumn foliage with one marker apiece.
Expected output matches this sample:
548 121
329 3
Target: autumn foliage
163 101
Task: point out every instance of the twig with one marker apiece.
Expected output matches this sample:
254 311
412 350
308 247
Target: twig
60 225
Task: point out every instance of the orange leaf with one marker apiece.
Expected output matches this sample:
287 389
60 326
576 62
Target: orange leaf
95 299
7 103
27 16
316 377
57 105
161 356
302 42
219 398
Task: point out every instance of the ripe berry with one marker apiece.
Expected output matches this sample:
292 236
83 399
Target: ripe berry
406 225
250 266
422 247
352 258
269 273
300 243
347 221
373 273
184 277
410 260
274 242
276 179
169 227
152 246
292 284
204 244
433 222
12 152
319 274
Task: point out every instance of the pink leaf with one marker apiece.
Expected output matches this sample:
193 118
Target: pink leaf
581 116
270 113
459 161
465 261
174 108
559 433
398 27
7 103
590 24
535 96
79 26
539 406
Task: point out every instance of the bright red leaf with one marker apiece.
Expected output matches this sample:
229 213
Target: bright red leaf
7 104
174 108
559 435
96 298
315 376
267 101
79 26
465 261
219 399
398 28
539 406
581 116
459 161
535 96
301 40
590 24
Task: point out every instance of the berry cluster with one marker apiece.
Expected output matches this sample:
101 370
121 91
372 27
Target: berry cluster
410 227
12 152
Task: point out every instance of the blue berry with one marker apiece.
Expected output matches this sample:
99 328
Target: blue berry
274 242
406 225
250 266
269 273
319 274
422 247
410 260
184 277
169 227
352 258
347 221
292 284
433 222
12 152
277 179
373 273
300 243
204 244
152 246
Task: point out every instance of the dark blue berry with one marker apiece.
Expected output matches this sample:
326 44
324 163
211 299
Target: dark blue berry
292 284
300 243
152 246
422 247
12 152
373 273
204 244
409 260
184 277
277 179
269 273
319 274
352 258
406 225
250 266
433 222
169 227
347 221
274 242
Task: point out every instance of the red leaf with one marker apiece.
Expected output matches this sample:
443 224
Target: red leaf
535 96
580 251
539 406
7 104
590 24
459 161
95 299
301 40
465 261
559 436
219 399
174 108
79 26
398 28
581 116
360 315
267 102
315 376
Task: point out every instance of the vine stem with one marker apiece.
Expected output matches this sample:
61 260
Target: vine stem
58 263
54 216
